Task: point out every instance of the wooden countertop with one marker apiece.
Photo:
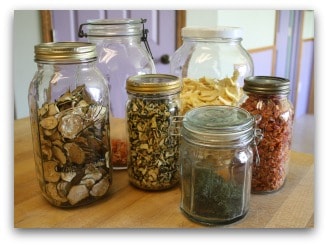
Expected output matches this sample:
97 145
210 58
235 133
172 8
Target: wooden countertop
128 207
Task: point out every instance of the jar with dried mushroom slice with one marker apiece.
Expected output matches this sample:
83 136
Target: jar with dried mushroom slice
153 151
268 97
212 64
69 114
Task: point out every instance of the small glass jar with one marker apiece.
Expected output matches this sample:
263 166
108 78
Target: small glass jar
120 55
213 64
69 114
267 96
153 152
216 157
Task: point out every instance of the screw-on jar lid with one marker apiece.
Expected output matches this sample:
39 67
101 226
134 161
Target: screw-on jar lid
266 85
212 32
68 52
218 125
153 84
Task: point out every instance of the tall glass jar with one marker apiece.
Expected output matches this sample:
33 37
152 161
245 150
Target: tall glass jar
120 54
213 64
69 114
216 157
153 152
268 97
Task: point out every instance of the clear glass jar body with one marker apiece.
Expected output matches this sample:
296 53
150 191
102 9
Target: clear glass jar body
153 152
276 121
213 65
216 170
69 114
120 54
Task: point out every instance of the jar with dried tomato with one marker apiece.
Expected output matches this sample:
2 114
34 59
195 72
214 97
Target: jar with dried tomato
267 96
154 101
69 114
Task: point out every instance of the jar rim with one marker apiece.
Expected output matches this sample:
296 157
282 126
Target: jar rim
113 27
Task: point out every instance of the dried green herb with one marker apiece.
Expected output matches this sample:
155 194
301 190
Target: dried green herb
216 197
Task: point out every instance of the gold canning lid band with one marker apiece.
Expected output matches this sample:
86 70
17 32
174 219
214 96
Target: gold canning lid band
66 52
153 84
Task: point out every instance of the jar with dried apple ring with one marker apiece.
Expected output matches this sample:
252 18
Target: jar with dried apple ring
267 96
69 114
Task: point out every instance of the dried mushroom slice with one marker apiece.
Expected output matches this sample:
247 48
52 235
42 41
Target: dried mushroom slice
70 125
75 154
49 123
77 193
51 190
59 154
49 171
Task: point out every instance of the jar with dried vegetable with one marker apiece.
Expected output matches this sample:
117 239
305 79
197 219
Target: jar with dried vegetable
267 96
153 152
69 114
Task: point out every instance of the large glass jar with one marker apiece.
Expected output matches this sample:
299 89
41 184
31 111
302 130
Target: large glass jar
268 97
216 157
120 54
213 64
69 114
153 150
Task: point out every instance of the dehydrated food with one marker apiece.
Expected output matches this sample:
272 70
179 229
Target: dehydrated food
276 125
153 152
206 91
74 132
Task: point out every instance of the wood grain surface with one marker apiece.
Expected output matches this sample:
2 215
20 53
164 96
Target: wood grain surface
129 207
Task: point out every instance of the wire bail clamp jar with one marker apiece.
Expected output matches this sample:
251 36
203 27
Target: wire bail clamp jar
216 158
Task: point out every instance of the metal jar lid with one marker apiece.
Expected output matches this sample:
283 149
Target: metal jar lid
153 84
219 126
266 85
67 52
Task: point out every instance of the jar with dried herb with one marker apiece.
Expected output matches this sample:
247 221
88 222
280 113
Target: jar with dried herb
216 156
69 114
153 152
267 96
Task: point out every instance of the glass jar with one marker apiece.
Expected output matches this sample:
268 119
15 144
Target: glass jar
69 114
213 64
216 157
268 97
153 152
120 55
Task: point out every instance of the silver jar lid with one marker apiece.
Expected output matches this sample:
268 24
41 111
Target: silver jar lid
266 85
68 52
218 125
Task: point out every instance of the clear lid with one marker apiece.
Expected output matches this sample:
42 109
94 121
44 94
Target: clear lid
266 85
112 27
218 125
153 84
68 52
212 32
